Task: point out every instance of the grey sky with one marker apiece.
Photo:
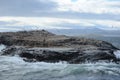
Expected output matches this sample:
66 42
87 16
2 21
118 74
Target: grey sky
60 13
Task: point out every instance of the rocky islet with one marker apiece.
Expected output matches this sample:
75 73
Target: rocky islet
35 46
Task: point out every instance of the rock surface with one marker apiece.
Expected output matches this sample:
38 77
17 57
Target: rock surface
36 47
44 38
73 56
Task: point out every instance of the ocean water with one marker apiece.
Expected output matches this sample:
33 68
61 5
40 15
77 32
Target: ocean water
14 68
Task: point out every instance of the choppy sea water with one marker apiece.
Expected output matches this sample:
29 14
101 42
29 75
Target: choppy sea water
14 68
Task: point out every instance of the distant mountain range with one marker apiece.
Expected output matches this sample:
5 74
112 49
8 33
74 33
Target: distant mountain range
86 31
71 32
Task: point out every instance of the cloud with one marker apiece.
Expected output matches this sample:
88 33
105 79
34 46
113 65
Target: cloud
59 14
57 8
25 7
89 6
56 23
86 9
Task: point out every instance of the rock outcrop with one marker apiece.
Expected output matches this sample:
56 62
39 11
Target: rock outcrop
36 46
44 38
73 56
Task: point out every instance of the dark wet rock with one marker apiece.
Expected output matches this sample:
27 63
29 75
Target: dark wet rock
50 56
12 50
95 56
73 56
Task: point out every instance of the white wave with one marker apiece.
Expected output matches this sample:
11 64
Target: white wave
117 54
2 47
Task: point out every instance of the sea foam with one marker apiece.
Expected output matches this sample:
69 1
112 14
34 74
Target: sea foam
117 54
